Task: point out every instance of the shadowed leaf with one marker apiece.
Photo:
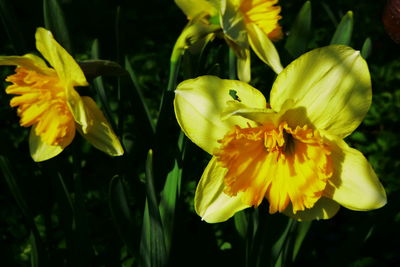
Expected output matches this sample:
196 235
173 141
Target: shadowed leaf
54 21
344 30
297 41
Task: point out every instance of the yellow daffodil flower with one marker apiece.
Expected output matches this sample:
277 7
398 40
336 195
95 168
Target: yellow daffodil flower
47 101
244 23
289 151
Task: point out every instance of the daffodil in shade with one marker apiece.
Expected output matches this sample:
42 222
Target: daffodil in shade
243 24
290 151
48 102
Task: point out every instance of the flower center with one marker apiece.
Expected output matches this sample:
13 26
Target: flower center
265 14
42 103
284 165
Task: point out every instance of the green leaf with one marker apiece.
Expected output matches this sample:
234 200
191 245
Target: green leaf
344 30
54 21
139 103
35 247
278 250
241 223
153 250
297 41
330 14
301 233
366 48
98 82
121 213
169 196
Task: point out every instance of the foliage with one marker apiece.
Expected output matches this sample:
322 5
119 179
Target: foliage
84 208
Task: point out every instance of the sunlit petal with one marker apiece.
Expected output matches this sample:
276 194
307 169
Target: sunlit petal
100 133
331 83
39 150
199 104
354 184
264 48
211 203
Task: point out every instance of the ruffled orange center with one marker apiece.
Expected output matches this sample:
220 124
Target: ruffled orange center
42 103
265 14
282 164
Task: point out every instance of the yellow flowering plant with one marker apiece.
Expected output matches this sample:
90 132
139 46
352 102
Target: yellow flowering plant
243 24
47 101
289 151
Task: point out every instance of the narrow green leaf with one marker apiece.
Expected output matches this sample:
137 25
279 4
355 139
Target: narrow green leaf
169 196
330 14
145 241
241 223
139 103
11 26
99 86
232 64
278 248
35 247
297 41
121 213
156 252
344 30
54 21
301 233
366 48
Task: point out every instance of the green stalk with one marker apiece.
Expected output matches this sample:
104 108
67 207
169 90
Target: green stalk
232 64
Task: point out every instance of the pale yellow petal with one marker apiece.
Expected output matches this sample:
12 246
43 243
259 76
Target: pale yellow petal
192 8
99 132
324 208
211 203
264 48
199 105
332 84
354 184
39 150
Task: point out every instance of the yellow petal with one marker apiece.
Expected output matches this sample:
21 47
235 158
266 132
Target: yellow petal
199 104
99 132
28 61
68 71
66 67
211 203
192 8
39 150
243 66
354 183
331 83
324 208
259 115
264 48
194 36
77 108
